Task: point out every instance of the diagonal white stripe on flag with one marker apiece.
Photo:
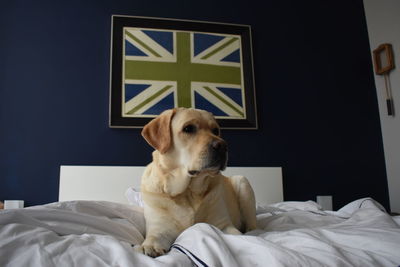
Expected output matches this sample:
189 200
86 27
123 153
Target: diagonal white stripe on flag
155 87
149 42
216 101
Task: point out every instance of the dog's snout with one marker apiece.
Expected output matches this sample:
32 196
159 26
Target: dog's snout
218 155
219 146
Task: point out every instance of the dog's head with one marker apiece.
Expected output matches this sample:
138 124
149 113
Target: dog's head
190 138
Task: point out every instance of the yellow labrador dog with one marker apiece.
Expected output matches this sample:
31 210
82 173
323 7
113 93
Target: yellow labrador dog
183 184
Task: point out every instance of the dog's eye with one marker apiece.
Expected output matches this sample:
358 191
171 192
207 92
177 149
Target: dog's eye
189 128
215 131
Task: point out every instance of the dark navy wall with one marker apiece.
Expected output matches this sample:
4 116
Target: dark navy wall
316 99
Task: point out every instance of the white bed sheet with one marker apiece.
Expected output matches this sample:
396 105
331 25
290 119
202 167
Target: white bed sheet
96 233
301 234
77 233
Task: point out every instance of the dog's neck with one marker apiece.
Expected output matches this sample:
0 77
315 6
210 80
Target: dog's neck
200 184
169 171
164 163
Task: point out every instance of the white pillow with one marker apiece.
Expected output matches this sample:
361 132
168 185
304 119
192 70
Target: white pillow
134 197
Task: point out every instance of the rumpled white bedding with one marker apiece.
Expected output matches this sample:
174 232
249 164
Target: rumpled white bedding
93 233
77 233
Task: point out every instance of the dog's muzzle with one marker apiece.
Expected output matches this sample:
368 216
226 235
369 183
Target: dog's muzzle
216 160
218 155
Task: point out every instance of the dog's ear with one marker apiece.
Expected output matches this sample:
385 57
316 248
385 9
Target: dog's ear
158 131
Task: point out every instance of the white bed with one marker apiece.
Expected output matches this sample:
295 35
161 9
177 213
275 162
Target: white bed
98 232
111 182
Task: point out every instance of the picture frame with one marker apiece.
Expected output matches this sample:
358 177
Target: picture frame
158 64
383 59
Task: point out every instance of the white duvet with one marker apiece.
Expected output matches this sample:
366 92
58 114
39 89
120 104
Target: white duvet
93 233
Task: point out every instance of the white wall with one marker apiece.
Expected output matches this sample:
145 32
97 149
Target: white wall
383 20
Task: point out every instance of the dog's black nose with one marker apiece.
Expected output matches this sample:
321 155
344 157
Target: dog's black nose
219 146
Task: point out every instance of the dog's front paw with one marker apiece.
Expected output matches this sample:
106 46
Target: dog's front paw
152 249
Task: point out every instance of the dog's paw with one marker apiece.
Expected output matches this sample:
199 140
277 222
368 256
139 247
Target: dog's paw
230 229
138 248
153 250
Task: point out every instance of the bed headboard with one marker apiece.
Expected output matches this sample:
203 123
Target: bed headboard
110 182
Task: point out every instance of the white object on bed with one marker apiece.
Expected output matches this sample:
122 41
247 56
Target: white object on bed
13 204
111 182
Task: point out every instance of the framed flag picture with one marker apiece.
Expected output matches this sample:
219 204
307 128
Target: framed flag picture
159 64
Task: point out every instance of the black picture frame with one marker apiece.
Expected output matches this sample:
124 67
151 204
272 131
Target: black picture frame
137 47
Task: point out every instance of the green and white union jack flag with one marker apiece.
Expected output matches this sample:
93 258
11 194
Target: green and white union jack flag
164 69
